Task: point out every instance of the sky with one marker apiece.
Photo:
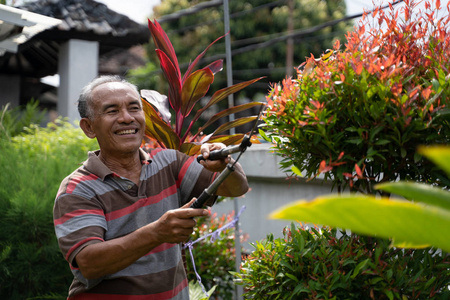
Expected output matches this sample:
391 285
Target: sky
140 10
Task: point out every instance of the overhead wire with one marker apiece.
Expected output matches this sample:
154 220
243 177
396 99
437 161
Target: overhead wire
299 33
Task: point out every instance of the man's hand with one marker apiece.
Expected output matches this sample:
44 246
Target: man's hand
176 226
213 165
100 259
236 184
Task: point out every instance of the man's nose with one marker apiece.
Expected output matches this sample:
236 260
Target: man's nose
125 116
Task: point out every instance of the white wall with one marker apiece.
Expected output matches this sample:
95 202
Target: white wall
269 190
78 65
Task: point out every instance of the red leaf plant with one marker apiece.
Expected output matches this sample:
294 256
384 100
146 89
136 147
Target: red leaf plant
375 99
183 94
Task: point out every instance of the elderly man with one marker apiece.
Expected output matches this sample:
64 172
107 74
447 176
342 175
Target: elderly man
119 218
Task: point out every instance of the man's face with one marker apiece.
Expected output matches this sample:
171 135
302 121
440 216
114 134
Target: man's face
118 121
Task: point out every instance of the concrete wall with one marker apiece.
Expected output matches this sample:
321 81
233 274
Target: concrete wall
78 65
269 190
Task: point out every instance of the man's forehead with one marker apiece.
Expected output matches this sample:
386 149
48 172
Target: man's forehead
112 88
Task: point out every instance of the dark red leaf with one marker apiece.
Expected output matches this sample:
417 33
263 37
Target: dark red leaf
194 88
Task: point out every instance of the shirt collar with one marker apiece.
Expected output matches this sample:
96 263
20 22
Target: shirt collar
96 166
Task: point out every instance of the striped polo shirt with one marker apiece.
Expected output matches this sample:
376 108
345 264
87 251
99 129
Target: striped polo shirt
94 204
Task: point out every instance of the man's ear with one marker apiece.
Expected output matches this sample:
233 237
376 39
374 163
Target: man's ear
86 126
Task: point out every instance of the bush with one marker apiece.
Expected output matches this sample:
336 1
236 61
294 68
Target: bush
214 260
359 114
327 264
33 166
14 121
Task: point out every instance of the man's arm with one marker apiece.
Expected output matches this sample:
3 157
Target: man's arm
236 183
101 259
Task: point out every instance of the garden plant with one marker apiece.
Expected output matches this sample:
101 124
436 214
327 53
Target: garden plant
357 115
214 260
33 165
183 95
323 263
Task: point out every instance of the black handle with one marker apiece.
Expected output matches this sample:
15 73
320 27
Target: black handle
200 201
209 191
220 154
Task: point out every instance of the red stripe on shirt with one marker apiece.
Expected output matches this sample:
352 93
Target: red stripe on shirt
77 213
161 248
141 203
160 296
81 243
184 170
154 151
75 181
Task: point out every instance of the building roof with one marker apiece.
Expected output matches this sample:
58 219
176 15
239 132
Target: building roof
18 26
81 19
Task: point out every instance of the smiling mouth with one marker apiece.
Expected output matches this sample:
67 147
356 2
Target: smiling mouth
128 131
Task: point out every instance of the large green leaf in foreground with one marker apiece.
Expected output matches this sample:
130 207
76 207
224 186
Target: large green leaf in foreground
422 222
409 224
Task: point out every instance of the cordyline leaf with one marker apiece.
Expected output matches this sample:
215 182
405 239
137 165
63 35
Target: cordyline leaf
190 148
216 66
193 148
227 139
159 102
418 192
408 223
170 73
163 43
224 93
440 155
194 63
156 128
194 88
228 112
233 124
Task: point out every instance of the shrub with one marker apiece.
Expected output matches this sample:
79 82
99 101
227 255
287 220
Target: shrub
327 264
13 121
33 165
359 115
214 260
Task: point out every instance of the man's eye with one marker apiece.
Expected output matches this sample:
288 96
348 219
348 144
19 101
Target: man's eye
135 108
112 111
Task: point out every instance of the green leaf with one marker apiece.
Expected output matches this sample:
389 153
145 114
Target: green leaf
440 155
418 192
296 171
229 111
223 94
190 148
404 221
359 267
194 88
292 277
234 123
156 128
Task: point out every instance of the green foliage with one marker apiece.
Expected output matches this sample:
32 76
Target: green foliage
214 260
183 95
359 115
196 292
254 24
33 165
326 264
428 209
14 121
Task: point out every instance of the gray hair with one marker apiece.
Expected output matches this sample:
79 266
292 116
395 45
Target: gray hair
85 99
